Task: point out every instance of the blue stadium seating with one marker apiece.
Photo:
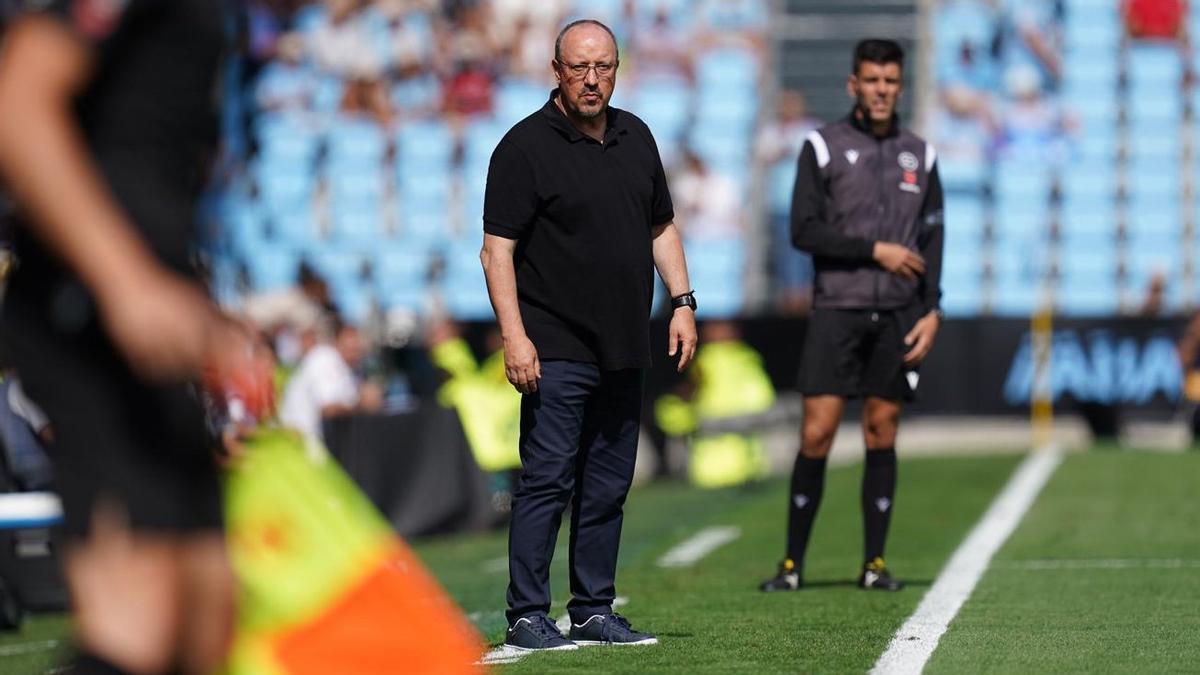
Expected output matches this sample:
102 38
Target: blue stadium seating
272 267
463 286
664 107
283 187
734 70
360 227
355 143
422 145
296 229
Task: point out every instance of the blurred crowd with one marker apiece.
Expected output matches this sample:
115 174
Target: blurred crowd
1060 129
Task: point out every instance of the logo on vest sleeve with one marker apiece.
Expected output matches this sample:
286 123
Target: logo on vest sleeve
852 156
909 163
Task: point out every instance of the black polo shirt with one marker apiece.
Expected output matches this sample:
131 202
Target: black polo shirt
582 213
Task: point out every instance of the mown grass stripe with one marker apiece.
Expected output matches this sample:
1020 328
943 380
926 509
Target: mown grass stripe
915 641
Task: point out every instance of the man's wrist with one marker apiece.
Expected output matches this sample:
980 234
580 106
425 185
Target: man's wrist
684 300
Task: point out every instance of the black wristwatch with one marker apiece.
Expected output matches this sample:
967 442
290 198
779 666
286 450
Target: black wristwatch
686 300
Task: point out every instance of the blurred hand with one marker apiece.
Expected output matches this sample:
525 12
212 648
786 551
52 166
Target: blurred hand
920 338
682 336
165 326
521 364
370 396
898 259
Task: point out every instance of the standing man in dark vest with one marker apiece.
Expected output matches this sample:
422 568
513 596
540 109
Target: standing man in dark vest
577 216
868 206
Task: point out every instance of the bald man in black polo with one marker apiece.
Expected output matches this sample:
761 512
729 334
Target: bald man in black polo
577 216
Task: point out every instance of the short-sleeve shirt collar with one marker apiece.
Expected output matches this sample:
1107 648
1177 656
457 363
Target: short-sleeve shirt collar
558 120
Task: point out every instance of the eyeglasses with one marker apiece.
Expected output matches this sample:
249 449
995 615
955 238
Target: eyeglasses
578 71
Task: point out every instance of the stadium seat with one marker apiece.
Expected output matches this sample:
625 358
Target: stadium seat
731 70
356 188
244 231
272 268
1155 106
1154 69
426 227
1093 26
1087 298
361 228
354 301
355 143
419 93
961 173
297 229
464 287
283 187
1021 217
1086 217
284 139
664 107
717 146
402 266
340 267
481 140
418 188
421 145
516 100
781 181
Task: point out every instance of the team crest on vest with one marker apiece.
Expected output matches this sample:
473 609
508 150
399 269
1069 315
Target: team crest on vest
909 163
852 156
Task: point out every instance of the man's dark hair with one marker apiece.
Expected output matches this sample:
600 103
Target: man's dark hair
580 22
878 51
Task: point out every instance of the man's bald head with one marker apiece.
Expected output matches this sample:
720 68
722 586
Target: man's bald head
582 24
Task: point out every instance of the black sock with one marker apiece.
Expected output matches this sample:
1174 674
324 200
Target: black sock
878 492
808 482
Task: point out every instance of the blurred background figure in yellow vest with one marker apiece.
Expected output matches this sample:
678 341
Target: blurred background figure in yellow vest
719 409
487 405
1189 358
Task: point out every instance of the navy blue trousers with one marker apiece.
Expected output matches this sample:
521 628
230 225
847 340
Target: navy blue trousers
579 436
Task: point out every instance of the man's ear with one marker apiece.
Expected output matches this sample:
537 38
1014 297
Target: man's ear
852 86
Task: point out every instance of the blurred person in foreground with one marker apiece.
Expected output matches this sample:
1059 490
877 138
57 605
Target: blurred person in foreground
577 215
868 206
326 386
107 121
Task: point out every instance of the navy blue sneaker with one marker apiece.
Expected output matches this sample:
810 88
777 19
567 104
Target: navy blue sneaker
609 629
535 634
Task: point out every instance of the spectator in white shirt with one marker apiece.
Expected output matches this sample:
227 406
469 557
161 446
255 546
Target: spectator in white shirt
325 384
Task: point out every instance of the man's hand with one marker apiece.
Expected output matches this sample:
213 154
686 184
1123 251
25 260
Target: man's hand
167 329
521 364
920 338
682 336
899 260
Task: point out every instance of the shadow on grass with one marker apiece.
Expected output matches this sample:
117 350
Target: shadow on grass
853 583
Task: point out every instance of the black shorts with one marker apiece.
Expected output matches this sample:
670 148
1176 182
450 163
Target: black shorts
145 449
857 352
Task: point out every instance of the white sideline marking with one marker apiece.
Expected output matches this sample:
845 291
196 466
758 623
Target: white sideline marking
506 654
28 648
701 544
1103 564
914 642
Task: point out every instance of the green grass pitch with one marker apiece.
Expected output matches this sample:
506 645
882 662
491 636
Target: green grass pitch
1099 576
